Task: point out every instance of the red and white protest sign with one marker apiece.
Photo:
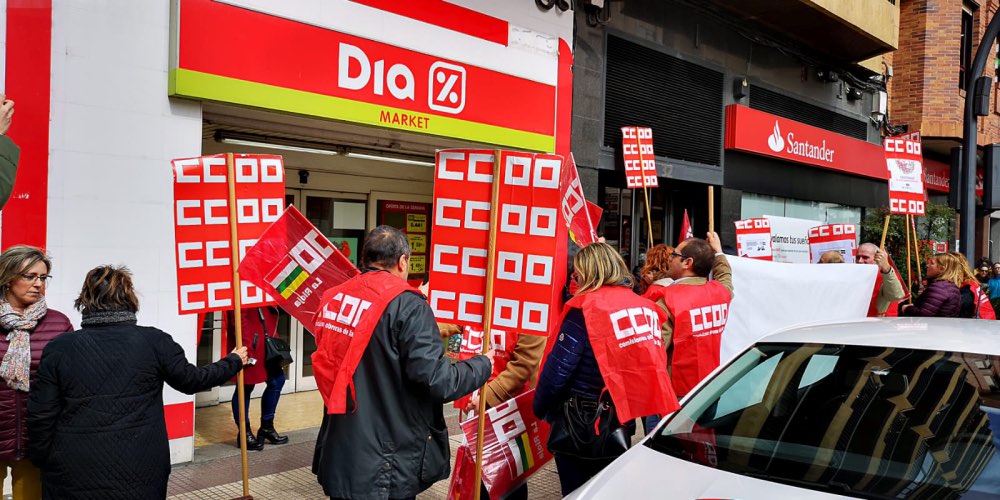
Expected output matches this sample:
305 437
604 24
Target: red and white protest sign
580 215
753 238
842 238
640 161
201 225
513 449
472 345
525 295
904 160
294 263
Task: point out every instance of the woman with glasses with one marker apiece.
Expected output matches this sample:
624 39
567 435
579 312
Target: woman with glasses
26 327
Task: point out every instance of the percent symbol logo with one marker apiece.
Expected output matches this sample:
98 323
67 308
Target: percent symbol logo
446 89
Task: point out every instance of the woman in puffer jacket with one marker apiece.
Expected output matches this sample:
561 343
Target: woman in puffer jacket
941 298
27 325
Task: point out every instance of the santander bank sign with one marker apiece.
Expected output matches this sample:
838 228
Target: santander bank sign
756 132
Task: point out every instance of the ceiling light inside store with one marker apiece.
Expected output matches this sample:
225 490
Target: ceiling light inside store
391 159
271 145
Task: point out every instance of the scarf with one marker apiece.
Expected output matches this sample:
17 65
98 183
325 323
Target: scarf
96 318
16 366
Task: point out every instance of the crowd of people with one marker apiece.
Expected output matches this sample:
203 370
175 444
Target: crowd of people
91 398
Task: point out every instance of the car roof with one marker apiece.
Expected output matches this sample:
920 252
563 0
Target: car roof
938 334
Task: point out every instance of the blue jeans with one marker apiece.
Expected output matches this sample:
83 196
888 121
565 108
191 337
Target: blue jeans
268 401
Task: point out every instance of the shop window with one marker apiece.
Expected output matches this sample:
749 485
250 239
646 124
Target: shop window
758 205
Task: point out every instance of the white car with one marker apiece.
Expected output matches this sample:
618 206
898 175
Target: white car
902 408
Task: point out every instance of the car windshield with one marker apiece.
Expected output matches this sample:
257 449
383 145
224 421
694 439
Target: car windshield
868 422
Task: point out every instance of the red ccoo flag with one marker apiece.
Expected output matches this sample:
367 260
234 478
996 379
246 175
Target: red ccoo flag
685 229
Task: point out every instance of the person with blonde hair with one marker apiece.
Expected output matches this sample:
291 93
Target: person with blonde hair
975 301
607 335
941 297
95 414
28 325
831 257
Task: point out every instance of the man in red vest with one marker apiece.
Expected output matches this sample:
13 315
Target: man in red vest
380 368
697 308
887 286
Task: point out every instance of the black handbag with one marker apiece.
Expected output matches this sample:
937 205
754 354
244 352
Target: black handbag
575 434
277 353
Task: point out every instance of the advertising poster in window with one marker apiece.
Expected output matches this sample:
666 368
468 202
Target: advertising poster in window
790 238
410 217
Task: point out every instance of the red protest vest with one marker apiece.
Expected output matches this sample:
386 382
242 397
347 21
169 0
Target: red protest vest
343 326
872 307
624 332
700 313
984 310
653 292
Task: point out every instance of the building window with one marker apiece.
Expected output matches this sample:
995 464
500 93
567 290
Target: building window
965 61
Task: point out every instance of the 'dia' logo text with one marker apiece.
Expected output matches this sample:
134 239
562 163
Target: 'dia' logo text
445 81
805 149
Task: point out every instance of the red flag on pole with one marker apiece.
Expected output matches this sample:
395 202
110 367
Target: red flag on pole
580 215
685 228
294 263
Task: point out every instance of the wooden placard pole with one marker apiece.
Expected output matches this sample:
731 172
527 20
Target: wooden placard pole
487 319
916 246
909 275
234 246
885 230
711 209
645 189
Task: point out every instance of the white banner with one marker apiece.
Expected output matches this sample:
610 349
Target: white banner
770 296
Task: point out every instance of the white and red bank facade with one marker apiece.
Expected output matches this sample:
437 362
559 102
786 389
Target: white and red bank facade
108 93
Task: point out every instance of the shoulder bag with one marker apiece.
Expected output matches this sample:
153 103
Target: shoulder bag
588 429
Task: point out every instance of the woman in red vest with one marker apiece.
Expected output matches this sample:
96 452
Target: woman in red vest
607 335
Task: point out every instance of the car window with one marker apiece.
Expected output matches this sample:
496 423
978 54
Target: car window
860 421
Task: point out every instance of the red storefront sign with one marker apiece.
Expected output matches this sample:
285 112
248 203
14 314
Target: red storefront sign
753 238
937 177
524 291
842 238
757 132
202 234
903 159
640 163
232 54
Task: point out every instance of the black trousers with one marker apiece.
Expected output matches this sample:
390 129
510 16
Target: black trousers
573 471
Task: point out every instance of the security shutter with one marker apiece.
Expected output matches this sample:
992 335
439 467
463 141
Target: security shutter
794 109
681 101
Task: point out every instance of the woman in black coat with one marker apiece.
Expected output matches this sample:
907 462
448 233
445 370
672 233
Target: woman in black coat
95 415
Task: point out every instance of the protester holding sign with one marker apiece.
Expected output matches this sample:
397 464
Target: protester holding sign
607 335
380 368
975 302
696 308
941 297
257 324
887 286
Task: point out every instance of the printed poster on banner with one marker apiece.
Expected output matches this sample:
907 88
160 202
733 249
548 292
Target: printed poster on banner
294 263
201 226
904 160
526 293
513 449
753 238
842 238
640 160
580 215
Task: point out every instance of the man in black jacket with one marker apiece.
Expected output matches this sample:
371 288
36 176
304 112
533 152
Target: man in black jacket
381 369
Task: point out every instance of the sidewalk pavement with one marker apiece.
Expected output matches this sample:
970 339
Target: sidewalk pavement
283 472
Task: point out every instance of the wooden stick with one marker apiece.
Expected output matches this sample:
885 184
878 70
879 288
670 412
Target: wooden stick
885 229
487 319
234 246
909 276
711 209
916 246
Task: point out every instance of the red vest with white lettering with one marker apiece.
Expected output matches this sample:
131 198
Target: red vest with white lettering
624 332
343 326
700 313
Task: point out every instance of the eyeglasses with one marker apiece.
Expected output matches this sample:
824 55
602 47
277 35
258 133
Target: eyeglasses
675 254
30 278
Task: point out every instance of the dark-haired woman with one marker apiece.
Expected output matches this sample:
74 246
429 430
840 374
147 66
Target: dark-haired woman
26 327
95 414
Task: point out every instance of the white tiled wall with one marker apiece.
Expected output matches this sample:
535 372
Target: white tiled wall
113 132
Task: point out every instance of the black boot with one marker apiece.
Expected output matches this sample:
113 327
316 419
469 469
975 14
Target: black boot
253 444
267 432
